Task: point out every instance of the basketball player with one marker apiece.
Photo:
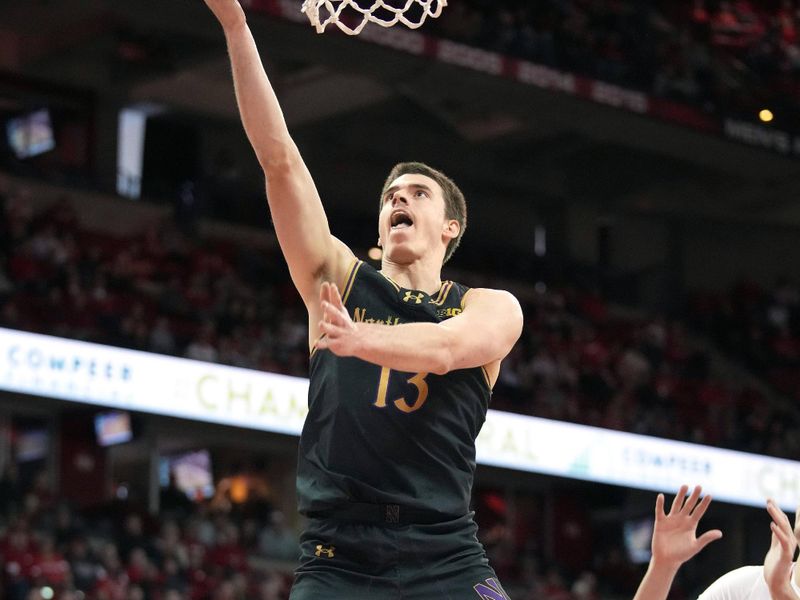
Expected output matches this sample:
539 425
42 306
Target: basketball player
402 365
674 541
778 579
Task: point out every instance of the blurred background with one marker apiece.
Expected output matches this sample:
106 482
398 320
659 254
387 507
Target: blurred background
631 170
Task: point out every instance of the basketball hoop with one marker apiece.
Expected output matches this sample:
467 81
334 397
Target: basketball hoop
386 13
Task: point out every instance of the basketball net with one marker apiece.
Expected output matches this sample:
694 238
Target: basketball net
322 13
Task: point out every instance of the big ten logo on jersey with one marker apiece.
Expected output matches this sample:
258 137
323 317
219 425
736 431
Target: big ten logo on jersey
491 590
446 313
360 316
326 551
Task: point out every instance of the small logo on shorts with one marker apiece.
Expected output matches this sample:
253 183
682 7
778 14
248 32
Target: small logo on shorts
491 590
323 551
393 513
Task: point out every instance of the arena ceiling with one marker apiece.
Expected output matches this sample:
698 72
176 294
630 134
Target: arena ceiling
356 108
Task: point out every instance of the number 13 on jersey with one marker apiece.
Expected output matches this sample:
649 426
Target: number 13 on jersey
419 383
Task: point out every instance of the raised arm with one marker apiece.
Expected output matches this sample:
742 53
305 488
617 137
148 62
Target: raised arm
778 561
674 541
312 254
480 336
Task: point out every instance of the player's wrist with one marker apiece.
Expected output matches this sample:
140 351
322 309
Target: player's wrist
783 592
664 566
361 346
780 588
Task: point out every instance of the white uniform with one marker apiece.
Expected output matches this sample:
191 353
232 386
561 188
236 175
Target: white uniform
745 583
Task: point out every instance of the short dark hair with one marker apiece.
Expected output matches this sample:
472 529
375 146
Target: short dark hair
455 206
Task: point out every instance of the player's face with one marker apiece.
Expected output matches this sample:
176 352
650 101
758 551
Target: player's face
412 219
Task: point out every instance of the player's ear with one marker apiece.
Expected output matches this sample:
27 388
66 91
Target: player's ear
451 229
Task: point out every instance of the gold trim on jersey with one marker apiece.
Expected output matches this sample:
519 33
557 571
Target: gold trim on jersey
464 297
443 292
351 278
486 377
348 286
315 347
390 280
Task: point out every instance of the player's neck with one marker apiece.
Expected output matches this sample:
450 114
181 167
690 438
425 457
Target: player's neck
414 276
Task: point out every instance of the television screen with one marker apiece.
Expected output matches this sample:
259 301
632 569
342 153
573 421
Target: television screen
113 427
192 471
638 534
31 134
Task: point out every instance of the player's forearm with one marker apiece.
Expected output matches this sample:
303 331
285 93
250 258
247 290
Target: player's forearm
297 212
656 582
411 347
783 592
260 111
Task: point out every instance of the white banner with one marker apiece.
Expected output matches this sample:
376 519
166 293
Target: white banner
70 370
636 461
139 381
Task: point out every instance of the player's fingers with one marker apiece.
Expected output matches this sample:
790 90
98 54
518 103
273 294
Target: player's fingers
336 297
324 291
329 329
701 508
691 501
778 536
659 507
785 540
678 501
330 312
774 542
705 539
797 524
326 311
778 516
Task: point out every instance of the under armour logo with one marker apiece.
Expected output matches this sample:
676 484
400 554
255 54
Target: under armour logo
322 550
417 298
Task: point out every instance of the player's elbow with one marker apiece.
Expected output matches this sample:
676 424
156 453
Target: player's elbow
441 362
443 355
282 157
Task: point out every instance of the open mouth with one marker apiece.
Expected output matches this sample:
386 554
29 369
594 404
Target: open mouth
401 220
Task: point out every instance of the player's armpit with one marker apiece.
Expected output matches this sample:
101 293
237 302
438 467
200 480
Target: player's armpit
486 330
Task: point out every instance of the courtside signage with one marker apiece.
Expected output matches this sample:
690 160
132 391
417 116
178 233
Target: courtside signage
54 367
637 461
92 373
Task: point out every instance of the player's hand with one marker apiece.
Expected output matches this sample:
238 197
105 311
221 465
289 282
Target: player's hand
778 561
797 525
228 12
674 534
339 333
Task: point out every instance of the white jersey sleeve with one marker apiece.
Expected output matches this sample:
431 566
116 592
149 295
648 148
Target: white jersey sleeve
745 583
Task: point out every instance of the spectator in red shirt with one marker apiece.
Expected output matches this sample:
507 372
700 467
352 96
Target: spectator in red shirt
49 566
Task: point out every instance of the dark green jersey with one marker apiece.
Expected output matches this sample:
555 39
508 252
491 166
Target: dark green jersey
382 436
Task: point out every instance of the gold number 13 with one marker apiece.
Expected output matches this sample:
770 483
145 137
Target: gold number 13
418 381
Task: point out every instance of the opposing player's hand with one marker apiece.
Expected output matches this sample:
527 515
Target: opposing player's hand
778 561
674 534
228 12
339 333
797 525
